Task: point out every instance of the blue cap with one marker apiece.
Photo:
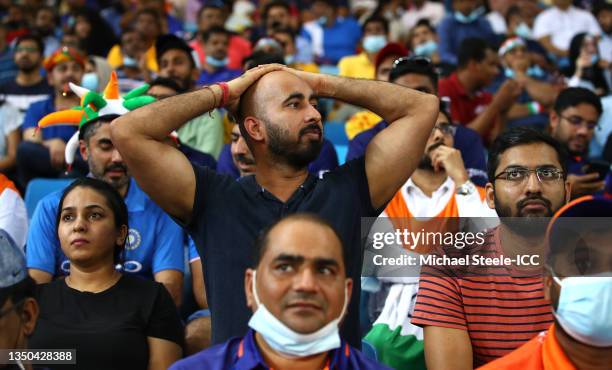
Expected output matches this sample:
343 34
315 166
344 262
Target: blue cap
12 262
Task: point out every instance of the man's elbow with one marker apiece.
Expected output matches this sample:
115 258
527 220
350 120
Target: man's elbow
120 131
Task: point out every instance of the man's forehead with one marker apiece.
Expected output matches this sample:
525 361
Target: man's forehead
279 85
529 155
304 239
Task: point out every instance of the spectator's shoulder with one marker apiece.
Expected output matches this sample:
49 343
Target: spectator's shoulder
219 357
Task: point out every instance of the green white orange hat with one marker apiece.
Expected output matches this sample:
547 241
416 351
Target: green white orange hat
95 106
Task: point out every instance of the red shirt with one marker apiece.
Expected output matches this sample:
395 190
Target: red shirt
463 107
237 50
500 307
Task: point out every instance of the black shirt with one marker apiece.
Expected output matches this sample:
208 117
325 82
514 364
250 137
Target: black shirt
109 329
228 215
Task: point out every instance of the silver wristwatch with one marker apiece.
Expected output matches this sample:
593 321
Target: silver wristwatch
466 189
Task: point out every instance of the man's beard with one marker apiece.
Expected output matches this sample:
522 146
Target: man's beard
116 183
28 68
291 152
527 225
425 162
44 32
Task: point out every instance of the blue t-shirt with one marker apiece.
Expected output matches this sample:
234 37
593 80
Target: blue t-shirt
220 75
37 111
339 40
154 243
466 140
243 353
451 33
326 161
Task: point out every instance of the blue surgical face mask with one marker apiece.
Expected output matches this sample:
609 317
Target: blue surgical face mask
289 59
217 63
322 20
474 15
90 81
509 73
286 341
129 61
426 49
373 43
533 71
585 309
523 30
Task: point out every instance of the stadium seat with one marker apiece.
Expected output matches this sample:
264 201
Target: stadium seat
39 188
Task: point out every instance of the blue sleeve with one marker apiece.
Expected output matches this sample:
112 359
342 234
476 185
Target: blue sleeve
225 164
445 41
32 116
169 250
42 247
469 143
357 146
193 251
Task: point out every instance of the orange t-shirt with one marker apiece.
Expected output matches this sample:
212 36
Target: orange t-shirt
541 353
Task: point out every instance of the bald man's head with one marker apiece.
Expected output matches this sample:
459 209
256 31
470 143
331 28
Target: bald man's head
279 110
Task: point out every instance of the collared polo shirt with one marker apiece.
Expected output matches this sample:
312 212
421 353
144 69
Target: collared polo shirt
243 353
229 214
154 243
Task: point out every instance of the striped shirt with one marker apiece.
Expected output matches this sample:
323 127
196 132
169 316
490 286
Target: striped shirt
500 307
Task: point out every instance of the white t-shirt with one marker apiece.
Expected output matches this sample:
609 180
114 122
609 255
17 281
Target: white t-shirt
430 10
13 216
562 26
9 121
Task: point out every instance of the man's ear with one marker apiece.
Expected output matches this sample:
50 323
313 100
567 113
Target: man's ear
349 288
83 149
254 128
248 289
568 191
30 315
548 285
490 195
553 121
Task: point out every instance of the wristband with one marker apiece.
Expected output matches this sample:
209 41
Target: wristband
225 97
534 107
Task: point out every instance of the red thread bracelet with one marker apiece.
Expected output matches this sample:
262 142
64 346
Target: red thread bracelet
225 89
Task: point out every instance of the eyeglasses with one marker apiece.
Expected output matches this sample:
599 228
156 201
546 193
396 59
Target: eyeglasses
577 121
520 174
445 128
26 49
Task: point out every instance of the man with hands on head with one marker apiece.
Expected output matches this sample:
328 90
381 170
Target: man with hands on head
276 111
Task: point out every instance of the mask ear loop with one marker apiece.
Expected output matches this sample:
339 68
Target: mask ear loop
255 289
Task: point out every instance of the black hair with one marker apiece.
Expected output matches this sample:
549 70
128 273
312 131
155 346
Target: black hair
274 4
49 9
376 19
445 112
262 57
30 37
594 73
87 130
167 82
262 240
152 12
472 49
513 10
573 96
285 30
113 199
424 22
522 136
170 42
417 65
331 3
101 38
210 5
600 6
214 30
19 292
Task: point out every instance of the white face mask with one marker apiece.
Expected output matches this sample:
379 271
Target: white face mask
585 309
288 342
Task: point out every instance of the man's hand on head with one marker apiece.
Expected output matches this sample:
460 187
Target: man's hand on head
239 85
314 80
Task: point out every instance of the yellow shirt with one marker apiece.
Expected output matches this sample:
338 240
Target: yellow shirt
357 66
115 58
306 67
360 122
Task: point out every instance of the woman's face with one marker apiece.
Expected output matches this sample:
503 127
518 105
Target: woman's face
87 230
82 27
589 46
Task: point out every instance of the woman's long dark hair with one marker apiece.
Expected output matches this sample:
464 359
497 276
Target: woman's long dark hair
113 199
593 74
101 38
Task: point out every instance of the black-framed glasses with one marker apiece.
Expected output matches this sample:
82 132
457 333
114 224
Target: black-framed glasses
520 174
577 121
445 128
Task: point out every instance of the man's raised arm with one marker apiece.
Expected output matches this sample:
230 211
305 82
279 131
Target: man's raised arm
162 171
394 153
